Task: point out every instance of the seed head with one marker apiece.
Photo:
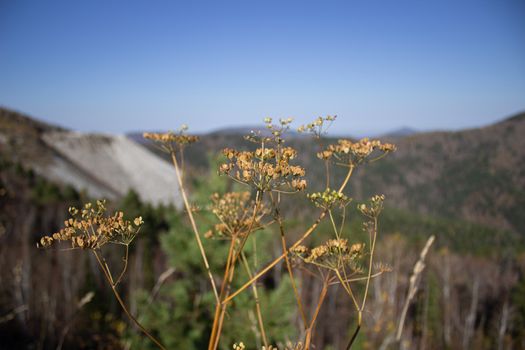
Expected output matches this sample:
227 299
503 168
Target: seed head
234 210
91 228
347 152
266 169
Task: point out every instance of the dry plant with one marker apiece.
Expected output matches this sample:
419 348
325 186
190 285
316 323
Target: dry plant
414 284
91 229
269 172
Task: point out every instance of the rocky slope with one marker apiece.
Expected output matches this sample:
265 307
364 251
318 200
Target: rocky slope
105 166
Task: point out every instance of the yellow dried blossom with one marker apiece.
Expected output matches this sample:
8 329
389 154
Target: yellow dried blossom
138 221
266 169
347 152
92 228
373 208
168 142
318 127
170 137
300 252
334 254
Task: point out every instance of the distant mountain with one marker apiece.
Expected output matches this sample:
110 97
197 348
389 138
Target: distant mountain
105 166
239 130
401 132
476 175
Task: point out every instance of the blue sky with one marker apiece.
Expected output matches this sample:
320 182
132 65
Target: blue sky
122 66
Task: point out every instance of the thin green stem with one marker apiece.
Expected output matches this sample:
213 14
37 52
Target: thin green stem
370 264
359 278
348 289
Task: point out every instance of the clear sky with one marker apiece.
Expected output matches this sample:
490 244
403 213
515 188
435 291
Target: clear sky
123 66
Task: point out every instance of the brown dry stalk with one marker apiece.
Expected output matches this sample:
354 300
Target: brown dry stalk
218 333
310 328
194 226
228 277
219 305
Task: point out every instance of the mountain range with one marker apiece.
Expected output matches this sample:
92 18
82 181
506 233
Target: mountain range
476 175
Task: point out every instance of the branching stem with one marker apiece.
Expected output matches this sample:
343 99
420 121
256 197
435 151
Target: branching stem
107 274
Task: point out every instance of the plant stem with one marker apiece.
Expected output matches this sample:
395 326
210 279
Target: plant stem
322 296
125 266
223 308
347 178
219 306
369 277
277 260
257 302
228 277
290 271
303 237
354 336
348 289
107 274
258 200
194 225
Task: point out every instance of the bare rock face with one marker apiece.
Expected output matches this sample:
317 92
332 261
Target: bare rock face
108 166
105 166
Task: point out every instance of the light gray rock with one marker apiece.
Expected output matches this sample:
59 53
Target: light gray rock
109 166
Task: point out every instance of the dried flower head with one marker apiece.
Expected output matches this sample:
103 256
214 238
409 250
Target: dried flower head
234 211
275 133
382 267
90 228
350 153
318 127
373 208
334 254
266 169
168 141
